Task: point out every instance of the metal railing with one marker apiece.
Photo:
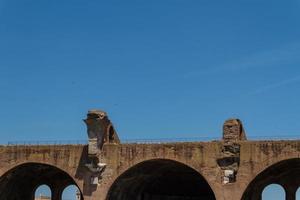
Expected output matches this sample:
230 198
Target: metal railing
169 140
47 142
151 141
207 139
274 137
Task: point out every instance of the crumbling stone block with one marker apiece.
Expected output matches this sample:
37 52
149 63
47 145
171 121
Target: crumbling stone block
100 131
233 130
229 159
100 128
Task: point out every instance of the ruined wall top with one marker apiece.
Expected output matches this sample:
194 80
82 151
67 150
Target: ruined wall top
100 129
233 130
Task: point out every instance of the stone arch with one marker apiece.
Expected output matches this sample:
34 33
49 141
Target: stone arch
160 179
273 191
111 134
21 181
298 194
285 173
45 193
72 191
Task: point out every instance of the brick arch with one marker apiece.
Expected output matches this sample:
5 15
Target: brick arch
66 169
159 178
190 163
284 171
68 158
38 161
266 163
22 179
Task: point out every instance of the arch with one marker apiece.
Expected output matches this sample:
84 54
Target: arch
298 194
285 173
273 191
111 133
42 191
21 181
112 136
160 179
71 192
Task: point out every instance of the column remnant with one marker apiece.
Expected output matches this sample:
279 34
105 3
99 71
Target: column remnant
100 131
229 158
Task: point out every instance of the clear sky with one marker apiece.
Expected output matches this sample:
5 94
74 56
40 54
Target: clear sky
160 68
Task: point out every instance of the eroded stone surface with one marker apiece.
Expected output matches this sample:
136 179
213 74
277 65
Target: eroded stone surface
100 130
233 130
200 156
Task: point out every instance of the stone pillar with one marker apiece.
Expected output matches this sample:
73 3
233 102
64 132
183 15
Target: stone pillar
257 194
259 197
229 157
56 193
290 192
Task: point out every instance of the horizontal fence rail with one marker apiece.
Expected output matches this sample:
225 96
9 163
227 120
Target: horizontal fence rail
47 142
169 140
274 137
151 141
205 139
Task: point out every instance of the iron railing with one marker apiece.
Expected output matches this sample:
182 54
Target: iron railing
151 141
169 140
274 137
47 142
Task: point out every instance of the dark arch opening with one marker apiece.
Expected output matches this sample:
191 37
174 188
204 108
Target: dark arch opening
285 173
160 179
298 194
21 182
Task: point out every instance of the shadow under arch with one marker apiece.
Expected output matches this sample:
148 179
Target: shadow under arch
285 173
160 179
20 182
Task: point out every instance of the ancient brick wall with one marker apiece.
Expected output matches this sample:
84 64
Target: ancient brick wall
254 158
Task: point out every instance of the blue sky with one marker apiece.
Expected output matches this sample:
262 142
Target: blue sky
161 69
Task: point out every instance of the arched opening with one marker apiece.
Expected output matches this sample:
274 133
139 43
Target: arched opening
22 181
285 173
111 134
298 194
273 191
42 192
160 179
71 192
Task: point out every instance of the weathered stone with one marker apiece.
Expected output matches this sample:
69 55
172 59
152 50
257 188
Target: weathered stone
229 160
100 131
100 128
233 130
93 146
